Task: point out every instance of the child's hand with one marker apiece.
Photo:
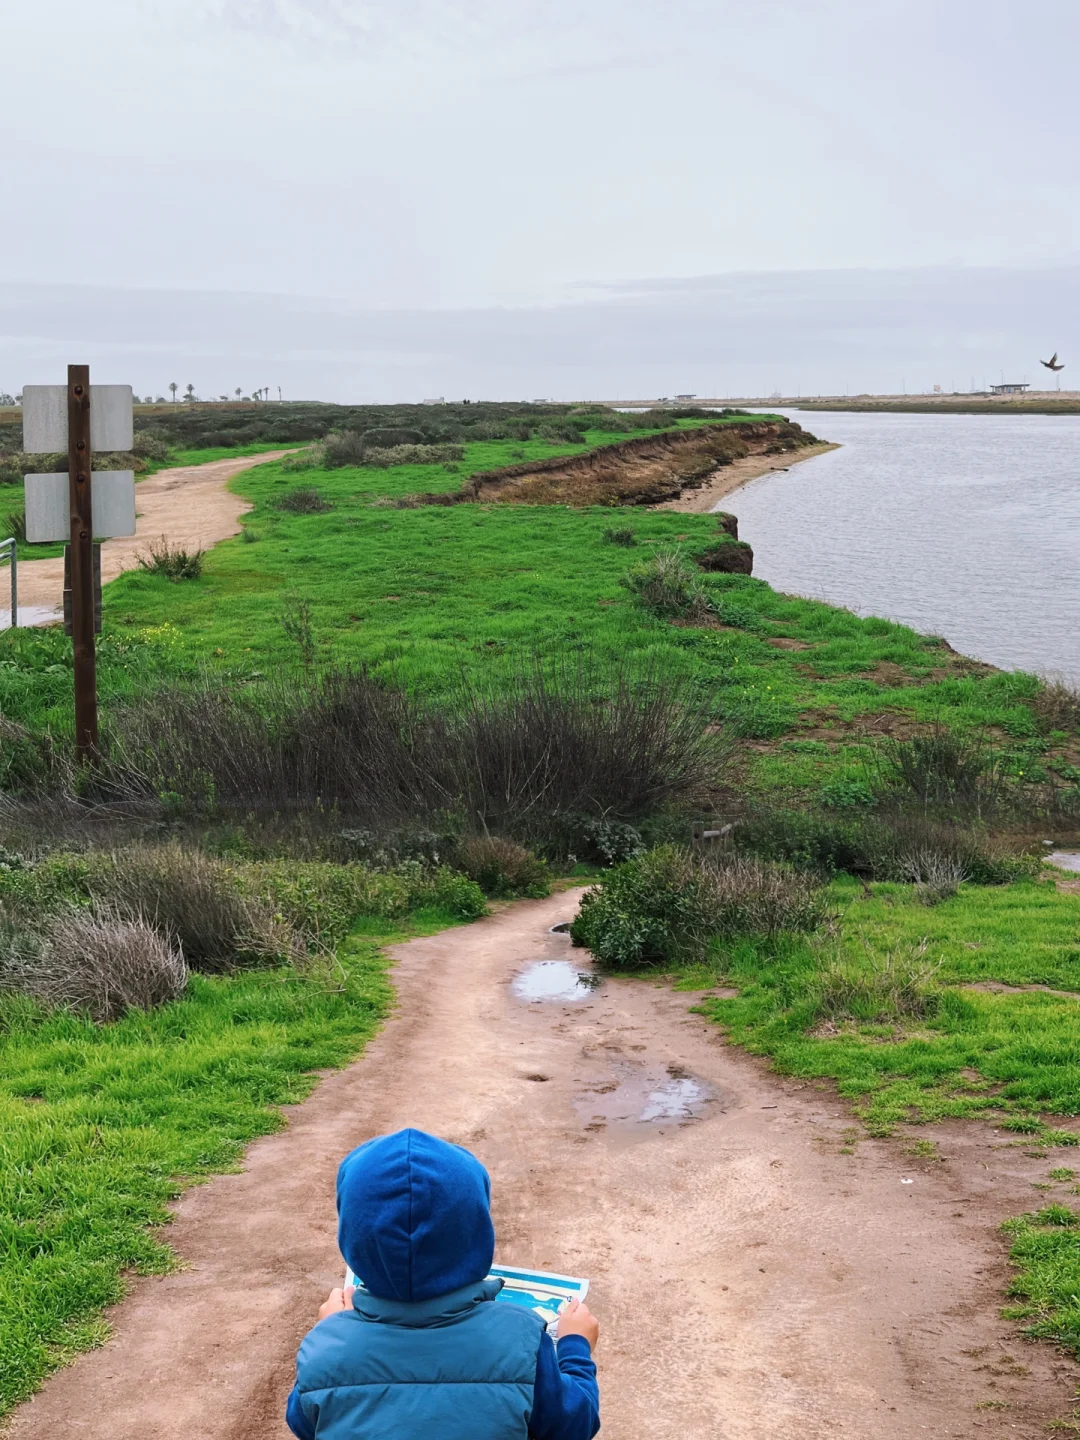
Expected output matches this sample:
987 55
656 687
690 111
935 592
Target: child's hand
577 1319
335 1301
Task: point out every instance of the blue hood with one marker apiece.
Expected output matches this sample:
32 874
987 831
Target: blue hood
414 1216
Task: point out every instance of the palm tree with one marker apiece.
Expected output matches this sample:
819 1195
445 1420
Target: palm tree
238 392
189 393
173 387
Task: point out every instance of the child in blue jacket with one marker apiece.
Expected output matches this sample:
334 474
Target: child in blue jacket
421 1353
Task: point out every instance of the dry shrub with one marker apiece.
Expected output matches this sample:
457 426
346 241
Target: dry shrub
96 961
502 867
305 500
195 899
1057 706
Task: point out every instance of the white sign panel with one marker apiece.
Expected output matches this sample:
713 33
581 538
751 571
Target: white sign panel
45 422
48 511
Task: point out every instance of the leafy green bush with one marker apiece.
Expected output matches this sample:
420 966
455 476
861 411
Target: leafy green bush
149 446
311 457
667 905
619 535
502 867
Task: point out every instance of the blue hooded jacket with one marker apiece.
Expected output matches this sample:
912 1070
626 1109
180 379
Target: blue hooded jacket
423 1351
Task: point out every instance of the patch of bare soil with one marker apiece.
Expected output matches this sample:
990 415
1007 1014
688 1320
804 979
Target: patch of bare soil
758 1270
190 505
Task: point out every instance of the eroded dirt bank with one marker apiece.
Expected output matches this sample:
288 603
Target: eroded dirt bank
752 1278
190 505
646 470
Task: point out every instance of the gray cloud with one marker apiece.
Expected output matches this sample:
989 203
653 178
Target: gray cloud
799 332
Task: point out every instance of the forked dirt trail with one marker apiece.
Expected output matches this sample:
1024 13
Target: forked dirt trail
189 504
752 1279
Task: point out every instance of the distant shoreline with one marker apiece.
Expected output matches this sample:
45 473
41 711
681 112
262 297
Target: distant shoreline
739 473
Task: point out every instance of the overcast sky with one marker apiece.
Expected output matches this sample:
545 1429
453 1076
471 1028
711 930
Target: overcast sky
538 196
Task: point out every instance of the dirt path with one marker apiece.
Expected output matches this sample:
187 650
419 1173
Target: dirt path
734 476
753 1278
189 504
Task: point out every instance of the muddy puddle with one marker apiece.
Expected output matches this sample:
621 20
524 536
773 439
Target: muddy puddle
554 980
1065 859
640 1098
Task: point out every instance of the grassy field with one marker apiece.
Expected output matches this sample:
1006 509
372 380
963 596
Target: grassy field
422 593
883 1005
886 1006
101 1126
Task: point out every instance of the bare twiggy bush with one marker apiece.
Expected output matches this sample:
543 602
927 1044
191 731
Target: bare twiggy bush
548 743
304 500
98 962
946 770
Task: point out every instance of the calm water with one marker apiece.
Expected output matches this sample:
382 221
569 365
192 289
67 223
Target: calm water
966 526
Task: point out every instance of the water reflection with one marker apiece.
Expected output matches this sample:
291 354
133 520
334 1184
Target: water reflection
966 526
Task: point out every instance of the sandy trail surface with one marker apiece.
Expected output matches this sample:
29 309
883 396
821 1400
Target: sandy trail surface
732 477
188 504
753 1277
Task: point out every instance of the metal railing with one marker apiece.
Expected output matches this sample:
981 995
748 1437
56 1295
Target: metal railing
8 552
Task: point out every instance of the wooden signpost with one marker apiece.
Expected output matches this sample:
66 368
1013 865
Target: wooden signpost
79 419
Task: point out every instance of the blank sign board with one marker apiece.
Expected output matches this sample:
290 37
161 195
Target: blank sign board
48 509
45 421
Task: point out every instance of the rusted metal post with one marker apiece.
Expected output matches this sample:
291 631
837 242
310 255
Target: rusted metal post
82 564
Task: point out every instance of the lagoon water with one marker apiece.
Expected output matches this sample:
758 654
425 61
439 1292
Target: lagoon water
966 526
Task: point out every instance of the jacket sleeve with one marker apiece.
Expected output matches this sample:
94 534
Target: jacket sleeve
566 1397
295 1418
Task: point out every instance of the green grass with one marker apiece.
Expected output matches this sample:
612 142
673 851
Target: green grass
982 1053
100 1127
421 594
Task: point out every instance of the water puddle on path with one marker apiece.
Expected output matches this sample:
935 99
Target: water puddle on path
646 1097
32 615
554 980
1065 859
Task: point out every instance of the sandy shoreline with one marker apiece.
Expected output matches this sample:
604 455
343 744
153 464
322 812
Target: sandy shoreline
732 477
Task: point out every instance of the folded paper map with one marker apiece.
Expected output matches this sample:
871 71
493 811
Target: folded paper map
539 1290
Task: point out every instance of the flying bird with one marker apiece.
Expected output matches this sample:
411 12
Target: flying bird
1052 363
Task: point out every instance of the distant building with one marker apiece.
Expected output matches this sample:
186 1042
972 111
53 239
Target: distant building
437 401
1010 387
685 397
